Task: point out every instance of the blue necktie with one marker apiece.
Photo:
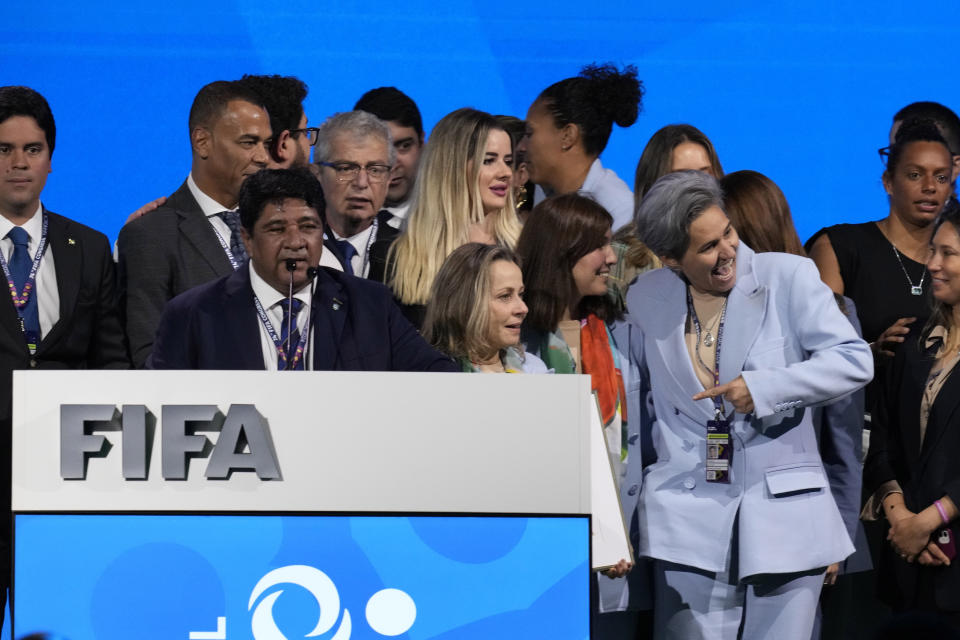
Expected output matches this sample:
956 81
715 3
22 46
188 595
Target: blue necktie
290 342
232 218
348 251
20 265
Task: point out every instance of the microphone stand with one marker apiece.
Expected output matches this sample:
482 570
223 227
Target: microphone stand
312 273
291 267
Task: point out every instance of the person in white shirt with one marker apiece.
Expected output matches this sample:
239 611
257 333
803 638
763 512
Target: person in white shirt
281 312
194 236
354 155
60 311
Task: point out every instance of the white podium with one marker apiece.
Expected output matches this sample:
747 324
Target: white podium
391 505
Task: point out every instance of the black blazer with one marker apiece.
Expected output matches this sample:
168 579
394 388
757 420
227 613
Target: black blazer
356 325
161 255
925 473
87 335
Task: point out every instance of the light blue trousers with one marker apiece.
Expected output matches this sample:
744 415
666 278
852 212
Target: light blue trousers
691 604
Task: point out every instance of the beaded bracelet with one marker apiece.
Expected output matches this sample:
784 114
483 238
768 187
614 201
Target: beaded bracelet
943 512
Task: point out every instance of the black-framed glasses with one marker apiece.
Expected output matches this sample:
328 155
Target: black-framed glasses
348 171
310 132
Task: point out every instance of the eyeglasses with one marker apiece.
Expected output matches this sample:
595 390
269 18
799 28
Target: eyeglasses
310 132
348 171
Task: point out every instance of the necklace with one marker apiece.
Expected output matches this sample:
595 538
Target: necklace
915 289
709 339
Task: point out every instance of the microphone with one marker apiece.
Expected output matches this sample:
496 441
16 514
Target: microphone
291 265
312 273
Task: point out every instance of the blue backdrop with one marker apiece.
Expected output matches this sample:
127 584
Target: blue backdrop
803 92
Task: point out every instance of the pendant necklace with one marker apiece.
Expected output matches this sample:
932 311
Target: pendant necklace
915 289
709 339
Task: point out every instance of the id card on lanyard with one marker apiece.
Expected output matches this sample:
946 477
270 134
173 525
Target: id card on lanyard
719 450
20 299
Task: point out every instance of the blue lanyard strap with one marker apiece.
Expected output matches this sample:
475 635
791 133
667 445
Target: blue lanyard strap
717 400
277 344
20 301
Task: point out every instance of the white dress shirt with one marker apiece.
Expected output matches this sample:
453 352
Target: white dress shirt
48 296
399 213
210 208
270 299
360 242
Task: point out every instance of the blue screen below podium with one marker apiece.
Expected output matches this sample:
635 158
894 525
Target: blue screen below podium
269 577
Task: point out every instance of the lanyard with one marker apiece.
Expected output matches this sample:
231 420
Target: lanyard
277 344
20 301
226 249
717 400
366 252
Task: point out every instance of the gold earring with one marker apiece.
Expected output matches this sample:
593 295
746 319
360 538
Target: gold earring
521 196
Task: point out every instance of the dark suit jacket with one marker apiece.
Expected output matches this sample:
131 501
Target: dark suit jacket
926 473
162 254
88 334
356 325
378 250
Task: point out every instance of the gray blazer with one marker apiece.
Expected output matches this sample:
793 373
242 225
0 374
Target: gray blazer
161 255
785 334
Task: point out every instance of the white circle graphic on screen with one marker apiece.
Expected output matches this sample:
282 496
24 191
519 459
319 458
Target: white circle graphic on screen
316 582
391 612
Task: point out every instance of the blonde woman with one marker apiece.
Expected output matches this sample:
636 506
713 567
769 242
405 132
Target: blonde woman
463 194
476 309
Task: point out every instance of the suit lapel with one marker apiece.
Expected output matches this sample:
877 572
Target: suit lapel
745 314
241 324
666 304
68 262
329 317
941 414
11 322
197 231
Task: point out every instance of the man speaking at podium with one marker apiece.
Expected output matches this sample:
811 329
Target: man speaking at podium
265 315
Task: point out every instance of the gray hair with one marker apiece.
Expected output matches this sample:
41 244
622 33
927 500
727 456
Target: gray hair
674 201
356 124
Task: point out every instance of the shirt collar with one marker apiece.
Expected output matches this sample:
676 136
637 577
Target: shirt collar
593 176
400 210
208 205
269 296
359 241
33 226
937 336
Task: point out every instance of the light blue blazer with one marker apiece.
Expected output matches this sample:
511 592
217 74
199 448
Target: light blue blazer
785 334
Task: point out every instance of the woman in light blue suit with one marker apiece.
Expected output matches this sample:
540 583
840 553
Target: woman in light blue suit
737 348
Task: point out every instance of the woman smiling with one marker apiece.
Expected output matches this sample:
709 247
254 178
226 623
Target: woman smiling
736 349
476 309
912 465
575 328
